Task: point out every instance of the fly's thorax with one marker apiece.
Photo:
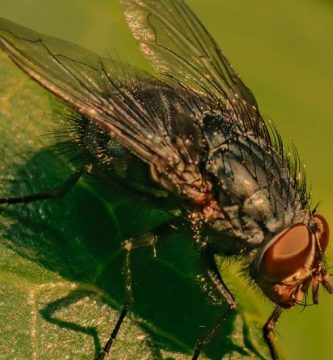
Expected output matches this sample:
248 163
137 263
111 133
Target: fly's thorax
290 261
253 186
229 232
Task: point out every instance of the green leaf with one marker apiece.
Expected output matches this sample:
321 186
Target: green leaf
61 279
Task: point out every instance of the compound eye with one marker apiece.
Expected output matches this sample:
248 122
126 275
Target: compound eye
287 254
322 231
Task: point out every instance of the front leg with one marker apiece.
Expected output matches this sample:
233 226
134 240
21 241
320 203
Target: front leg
268 331
213 280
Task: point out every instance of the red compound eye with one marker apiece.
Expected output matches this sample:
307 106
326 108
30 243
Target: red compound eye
322 231
287 254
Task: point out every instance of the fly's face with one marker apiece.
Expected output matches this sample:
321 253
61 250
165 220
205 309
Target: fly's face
292 262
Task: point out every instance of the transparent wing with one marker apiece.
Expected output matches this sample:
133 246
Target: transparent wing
180 47
143 113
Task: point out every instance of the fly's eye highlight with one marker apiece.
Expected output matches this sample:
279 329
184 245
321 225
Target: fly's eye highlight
287 254
322 231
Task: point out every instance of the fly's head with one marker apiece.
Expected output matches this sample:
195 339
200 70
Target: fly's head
292 262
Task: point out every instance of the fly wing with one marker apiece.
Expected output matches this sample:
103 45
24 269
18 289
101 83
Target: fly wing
148 117
180 47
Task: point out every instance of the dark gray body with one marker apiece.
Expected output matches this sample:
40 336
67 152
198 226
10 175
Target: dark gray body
251 180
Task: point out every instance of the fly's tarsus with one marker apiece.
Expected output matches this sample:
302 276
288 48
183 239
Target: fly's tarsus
56 193
268 332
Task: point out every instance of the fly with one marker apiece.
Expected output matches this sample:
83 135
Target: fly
197 132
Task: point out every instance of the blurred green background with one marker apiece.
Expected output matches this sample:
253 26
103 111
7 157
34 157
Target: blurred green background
283 51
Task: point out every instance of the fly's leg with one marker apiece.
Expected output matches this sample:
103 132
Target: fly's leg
146 240
55 193
127 305
268 331
213 279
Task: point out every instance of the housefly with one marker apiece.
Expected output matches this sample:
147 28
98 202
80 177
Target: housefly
194 129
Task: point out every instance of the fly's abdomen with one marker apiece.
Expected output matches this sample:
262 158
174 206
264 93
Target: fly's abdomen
83 143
